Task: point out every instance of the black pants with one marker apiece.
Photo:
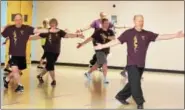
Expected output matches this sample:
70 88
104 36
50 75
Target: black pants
93 60
133 87
51 59
44 54
19 61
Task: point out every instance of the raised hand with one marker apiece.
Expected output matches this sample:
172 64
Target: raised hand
179 34
79 45
98 46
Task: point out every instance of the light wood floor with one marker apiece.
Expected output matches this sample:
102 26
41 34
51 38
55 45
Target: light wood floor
161 91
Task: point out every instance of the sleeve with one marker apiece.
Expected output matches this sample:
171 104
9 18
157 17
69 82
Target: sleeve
112 33
31 30
93 24
152 36
123 37
62 33
6 32
111 25
44 35
94 34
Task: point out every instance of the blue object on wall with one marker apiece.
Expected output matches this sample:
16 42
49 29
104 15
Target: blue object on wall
33 43
3 23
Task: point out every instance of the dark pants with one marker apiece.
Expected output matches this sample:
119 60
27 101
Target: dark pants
51 59
44 54
93 60
133 87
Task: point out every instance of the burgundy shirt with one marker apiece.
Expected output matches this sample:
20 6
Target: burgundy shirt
18 38
137 45
53 41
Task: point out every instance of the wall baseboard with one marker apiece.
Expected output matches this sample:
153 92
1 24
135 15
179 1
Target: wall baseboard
114 67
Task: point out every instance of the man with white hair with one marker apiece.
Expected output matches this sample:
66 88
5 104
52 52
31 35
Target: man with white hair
137 40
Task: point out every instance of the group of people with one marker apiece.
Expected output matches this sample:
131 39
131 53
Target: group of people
136 38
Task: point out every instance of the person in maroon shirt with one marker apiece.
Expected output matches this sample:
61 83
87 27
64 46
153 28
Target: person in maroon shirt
103 35
52 48
137 40
18 35
96 25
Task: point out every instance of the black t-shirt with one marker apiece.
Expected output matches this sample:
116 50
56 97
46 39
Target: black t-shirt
53 41
18 38
101 36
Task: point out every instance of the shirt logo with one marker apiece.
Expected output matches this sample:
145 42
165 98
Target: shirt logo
22 32
135 44
104 37
50 39
143 37
15 38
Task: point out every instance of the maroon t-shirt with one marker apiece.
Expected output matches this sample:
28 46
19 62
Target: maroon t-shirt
18 38
137 45
53 41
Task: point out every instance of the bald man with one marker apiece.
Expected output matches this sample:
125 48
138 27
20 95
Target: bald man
137 40
18 35
96 25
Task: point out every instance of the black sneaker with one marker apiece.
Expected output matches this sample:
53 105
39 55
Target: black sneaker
123 73
53 83
19 89
140 106
7 70
40 79
124 102
5 82
40 67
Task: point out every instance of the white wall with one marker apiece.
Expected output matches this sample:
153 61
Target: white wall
160 16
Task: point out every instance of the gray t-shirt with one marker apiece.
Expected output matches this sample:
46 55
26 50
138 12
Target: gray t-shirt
18 38
137 45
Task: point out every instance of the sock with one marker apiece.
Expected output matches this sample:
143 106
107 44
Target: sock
105 78
7 79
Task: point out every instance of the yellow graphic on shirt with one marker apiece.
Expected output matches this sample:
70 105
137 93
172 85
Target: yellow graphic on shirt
50 39
135 44
15 38
104 37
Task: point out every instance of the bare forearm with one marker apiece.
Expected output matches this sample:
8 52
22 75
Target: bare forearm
111 43
87 41
166 37
34 37
70 35
86 28
122 27
111 38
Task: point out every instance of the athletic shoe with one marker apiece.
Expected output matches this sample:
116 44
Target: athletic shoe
40 67
140 106
19 89
40 79
88 76
123 73
90 66
7 70
100 69
124 102
105 81
5 83
53 83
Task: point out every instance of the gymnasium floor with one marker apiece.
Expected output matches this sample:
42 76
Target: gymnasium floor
161 91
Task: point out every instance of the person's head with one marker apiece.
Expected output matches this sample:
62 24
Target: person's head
105 23
53 23
139 21
45 23
103 15
18 20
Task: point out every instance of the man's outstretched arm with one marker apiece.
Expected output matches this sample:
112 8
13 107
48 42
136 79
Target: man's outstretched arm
109 44
179 34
